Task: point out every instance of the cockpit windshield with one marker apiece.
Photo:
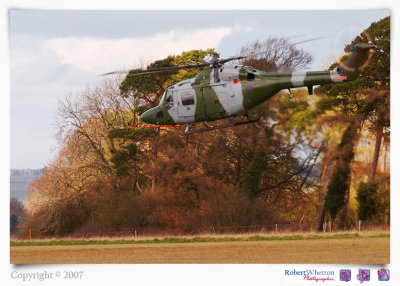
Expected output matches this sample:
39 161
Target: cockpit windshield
167 99
162 99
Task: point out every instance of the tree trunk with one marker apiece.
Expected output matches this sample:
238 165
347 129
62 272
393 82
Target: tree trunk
239 159
339 183
385 148
351 144
321 219
154 162
324 168
343 216
375 158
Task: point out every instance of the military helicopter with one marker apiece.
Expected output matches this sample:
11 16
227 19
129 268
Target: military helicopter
225 90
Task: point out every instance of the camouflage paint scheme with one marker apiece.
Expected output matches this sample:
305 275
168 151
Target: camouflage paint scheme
236 89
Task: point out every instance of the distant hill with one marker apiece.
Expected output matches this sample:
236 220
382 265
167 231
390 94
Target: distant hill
20 180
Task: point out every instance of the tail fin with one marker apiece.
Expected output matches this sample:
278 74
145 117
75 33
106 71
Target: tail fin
359 58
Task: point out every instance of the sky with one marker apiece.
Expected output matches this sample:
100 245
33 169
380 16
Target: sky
54 54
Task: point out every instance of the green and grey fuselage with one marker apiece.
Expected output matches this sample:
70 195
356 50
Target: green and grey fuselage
236 89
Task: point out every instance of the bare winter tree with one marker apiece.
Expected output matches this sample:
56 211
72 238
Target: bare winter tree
286 59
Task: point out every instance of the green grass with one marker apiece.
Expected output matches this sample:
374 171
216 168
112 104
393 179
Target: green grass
106 241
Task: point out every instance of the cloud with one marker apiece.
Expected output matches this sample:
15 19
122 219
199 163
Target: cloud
98 55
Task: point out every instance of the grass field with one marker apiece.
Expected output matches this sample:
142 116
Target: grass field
370 248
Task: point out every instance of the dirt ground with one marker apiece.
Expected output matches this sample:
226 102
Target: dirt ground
332 251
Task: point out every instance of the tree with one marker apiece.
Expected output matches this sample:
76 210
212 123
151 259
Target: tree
91 156
150 87
340 181
378 98
17 215
252 177
379 123
355 104
367 200
99 154
286 59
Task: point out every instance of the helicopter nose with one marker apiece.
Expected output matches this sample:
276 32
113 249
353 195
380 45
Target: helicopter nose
148 116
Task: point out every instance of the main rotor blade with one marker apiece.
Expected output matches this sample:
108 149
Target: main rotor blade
157 70
214 63
266 51
114 72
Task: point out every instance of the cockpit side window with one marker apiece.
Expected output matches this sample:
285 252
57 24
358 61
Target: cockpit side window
187 98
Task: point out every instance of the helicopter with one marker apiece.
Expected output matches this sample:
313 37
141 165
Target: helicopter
226 90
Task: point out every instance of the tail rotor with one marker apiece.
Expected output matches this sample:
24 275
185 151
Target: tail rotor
360 54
